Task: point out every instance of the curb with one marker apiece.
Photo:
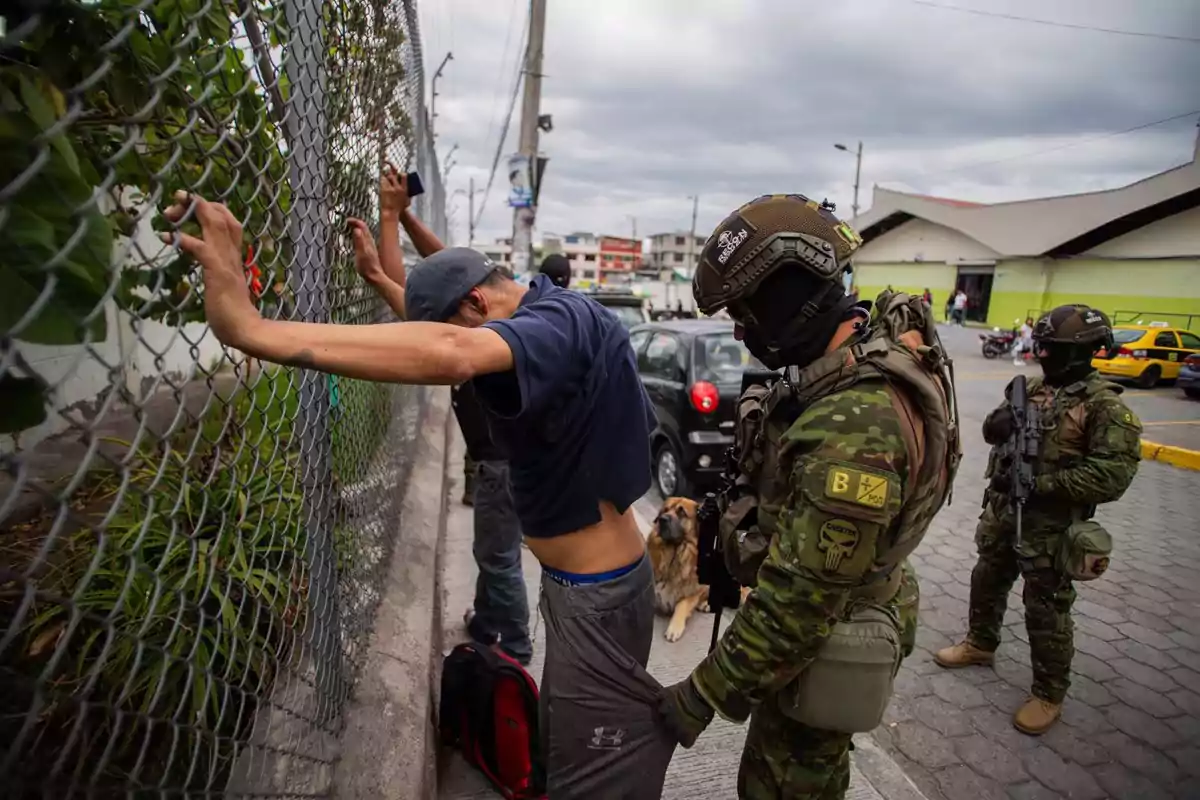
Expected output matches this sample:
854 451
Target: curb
1168 454
388 747
882 772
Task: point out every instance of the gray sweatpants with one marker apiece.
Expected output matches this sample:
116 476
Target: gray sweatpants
599 719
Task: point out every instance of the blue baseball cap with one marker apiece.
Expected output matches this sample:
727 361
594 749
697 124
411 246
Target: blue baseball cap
436 287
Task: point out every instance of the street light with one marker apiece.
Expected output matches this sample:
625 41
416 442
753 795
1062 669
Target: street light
857 173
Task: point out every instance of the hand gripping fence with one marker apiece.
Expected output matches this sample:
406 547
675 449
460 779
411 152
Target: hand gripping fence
191 542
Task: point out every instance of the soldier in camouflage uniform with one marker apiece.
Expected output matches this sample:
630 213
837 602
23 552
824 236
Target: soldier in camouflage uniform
1089 455
841 476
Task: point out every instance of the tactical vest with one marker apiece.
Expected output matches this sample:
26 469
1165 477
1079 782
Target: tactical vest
1063 419
903 351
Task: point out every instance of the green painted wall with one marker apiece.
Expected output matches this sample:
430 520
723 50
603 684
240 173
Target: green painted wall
1151 286
1018 289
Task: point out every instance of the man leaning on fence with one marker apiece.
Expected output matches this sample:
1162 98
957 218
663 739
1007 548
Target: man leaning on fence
557 378
500 613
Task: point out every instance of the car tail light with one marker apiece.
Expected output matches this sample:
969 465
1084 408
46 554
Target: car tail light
1193 361
705 397
1125 351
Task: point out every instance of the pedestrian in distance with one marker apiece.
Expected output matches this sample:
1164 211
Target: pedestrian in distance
960 307
499 615
557 268
1023 343
841 465
556 376
1088 455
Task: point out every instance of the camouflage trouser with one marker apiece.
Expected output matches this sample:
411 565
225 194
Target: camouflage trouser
1048 598
783 758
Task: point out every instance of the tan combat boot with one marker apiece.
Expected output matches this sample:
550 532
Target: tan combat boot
963 654
1036 716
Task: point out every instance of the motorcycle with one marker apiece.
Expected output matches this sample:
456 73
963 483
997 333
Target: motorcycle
999 342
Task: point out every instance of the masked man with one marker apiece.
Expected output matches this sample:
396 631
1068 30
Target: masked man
1088 455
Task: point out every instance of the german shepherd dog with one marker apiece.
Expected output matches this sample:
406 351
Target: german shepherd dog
674 546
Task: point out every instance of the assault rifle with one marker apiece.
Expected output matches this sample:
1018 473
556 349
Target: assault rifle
1023 447
723 589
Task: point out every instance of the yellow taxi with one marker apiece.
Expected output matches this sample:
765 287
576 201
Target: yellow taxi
1147 354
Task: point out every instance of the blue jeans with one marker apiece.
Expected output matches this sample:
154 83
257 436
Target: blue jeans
501 605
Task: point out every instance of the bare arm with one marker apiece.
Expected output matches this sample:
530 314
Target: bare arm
395 210
411 352
425 240
427 353
373 270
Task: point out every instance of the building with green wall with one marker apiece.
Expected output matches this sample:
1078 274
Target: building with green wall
1134 250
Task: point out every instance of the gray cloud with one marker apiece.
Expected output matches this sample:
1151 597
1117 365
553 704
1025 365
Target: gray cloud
654 102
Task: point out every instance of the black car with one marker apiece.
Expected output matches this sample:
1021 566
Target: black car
628 307
692 370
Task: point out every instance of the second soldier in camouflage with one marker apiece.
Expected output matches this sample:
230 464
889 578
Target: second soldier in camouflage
1089 455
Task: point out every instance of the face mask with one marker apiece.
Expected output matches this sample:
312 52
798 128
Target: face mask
1063 365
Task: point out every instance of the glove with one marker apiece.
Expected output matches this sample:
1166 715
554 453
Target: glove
685 713
998 427
1001 482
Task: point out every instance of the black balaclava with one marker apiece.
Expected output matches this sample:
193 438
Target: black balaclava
782 334
1064 364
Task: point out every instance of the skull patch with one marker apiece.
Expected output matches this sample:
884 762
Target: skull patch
837 539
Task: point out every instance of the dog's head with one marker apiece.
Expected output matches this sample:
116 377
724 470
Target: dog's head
675 520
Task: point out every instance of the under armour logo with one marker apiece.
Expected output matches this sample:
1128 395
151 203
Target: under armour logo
606 738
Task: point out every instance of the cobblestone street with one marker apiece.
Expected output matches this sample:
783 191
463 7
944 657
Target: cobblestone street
1131 724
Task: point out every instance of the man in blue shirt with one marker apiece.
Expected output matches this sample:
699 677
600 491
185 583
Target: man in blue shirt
499 614
557 377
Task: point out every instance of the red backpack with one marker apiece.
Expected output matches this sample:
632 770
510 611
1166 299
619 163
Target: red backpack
489 712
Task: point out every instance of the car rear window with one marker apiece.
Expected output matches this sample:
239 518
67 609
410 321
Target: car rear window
1127 335
629 315
720 358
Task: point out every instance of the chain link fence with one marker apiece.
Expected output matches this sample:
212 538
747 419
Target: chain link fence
191 542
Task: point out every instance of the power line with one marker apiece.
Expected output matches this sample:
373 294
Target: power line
512 105
1056 148
501 70
1053 24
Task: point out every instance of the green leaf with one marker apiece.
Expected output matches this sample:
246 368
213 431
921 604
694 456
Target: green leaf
23 401
43 114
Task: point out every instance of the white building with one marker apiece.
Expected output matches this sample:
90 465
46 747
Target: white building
678 252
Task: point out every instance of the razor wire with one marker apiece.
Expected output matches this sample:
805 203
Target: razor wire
192 542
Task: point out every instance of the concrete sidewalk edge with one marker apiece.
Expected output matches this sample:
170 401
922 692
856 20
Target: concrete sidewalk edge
1169 454
389 742
882 772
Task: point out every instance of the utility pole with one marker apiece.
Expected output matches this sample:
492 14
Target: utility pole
691 261
433 95
857 172
523 218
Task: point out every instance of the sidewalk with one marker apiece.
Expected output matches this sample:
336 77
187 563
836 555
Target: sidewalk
708 770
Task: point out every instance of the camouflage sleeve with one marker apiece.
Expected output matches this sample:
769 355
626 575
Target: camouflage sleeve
1113 451
846 455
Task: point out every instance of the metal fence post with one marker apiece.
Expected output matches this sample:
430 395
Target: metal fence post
308 229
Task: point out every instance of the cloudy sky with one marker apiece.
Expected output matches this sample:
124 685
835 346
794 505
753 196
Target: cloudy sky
657 100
